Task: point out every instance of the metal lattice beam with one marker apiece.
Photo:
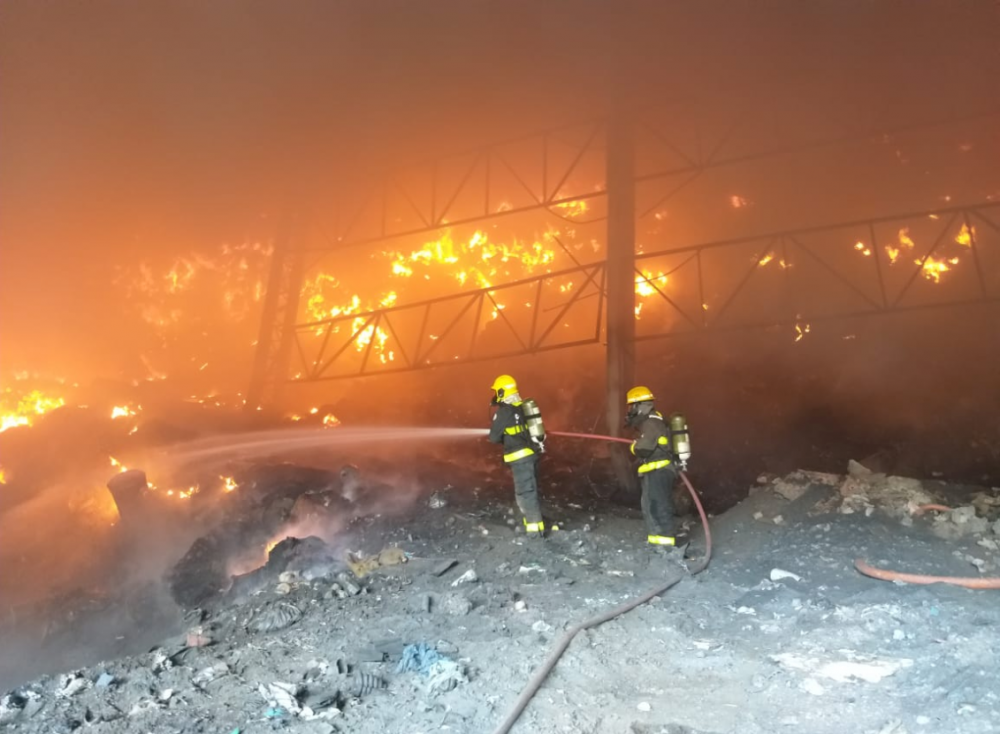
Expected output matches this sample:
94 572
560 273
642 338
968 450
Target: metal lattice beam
538 171
809 274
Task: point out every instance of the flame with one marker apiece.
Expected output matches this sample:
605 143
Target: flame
572 208
862 248
22 411
475 262
966 236
738 202
123 411
766 259
3 475
270 545
117 464
800 331
893 254
228 484
932 268
904 237
647 283
330 420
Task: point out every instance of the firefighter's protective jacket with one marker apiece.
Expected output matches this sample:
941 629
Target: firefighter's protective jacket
653 443
509 428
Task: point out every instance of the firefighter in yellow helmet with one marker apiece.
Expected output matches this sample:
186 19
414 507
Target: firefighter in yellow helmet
657 467
520 450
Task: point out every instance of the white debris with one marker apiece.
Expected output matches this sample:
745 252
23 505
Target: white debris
843 671
644 707
285 695
437 501
468 577
778 574
520 605
541 627
71 683
212 672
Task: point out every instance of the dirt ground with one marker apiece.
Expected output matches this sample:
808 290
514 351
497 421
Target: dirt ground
731 650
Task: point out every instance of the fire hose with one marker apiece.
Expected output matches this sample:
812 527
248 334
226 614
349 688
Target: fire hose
536 681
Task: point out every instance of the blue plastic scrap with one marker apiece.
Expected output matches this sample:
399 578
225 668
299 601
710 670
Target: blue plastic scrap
419 658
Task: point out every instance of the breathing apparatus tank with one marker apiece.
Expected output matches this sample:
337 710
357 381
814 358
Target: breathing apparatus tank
681 439
533 420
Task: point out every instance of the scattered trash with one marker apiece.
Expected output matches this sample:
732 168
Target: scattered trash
281 697
361 566
275 616
212 672
468 577
364 684
444 675
71 683
196 637
418 658
843 671
777 574
442 568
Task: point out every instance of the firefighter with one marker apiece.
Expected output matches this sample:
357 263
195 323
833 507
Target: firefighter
657 467
520 451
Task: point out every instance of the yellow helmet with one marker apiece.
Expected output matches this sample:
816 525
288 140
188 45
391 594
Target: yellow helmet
504 385
639 394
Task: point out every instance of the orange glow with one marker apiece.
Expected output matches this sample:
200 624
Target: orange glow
21 411
229 484
3 475
965 236
863 248
330 420
766 259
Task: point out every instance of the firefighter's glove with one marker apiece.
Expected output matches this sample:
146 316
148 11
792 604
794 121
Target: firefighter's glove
540 443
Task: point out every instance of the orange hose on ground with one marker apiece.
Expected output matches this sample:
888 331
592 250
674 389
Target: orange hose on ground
920 510
917 578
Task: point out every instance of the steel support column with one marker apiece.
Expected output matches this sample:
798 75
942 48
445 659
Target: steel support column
620 364
278 318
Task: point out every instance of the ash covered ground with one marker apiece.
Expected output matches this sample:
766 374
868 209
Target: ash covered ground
431 612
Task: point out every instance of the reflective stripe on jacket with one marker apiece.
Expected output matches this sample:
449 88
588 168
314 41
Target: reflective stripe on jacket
653 444
508 428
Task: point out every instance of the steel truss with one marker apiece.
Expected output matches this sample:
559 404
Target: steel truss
561 166
791 277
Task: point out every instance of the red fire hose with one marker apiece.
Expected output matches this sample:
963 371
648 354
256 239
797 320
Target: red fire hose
550 662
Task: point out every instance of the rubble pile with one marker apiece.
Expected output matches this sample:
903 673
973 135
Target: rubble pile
436 622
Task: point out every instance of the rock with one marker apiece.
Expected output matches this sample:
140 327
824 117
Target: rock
520 606
104 680
457 605
644 707
996 527
541 627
